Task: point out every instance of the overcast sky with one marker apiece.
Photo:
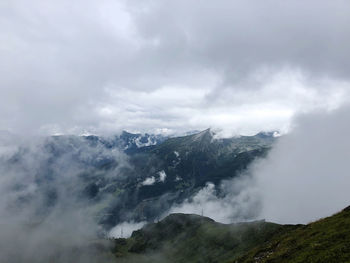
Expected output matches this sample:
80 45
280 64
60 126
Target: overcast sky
170 66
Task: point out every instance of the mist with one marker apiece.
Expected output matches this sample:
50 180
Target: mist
306 174
46 201
304 177
234 200
125 229
47 213
165 68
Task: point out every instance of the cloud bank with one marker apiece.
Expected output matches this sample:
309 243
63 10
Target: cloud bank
125 229
235 200
87 66
306 175
47 210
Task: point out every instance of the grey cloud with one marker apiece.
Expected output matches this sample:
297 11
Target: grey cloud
235 200
239 36
46 214
306 175
60 61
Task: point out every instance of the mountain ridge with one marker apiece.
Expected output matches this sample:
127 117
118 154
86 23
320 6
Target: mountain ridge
137 183
187 164
192 238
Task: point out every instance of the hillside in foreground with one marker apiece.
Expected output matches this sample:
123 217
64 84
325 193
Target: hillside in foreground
192 238
326 240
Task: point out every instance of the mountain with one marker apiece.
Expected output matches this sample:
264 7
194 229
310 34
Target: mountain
326 240
174 170
131 177
126 141
91 178
192 238
132 142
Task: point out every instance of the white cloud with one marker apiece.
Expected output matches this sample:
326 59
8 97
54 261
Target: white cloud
306 175
149 181
132 65
241 201
162 176
125 229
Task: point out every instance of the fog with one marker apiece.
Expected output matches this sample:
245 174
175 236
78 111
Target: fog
44 200
125 229
306 175
98 67
235 200
46 212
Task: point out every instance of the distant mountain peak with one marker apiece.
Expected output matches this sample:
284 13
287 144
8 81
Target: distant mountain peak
204 135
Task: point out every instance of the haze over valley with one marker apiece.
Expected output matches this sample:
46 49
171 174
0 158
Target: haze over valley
174 131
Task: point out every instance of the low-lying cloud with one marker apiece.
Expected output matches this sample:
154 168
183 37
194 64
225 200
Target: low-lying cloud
306 175
47 213
125 229
233 201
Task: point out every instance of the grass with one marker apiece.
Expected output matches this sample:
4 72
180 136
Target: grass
191 238
326 240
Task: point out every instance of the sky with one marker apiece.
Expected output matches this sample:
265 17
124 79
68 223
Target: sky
240 67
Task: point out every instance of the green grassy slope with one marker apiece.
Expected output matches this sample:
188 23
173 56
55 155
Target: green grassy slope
326 240
191 238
